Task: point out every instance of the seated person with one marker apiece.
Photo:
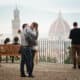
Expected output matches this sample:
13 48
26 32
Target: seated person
7 41
15 42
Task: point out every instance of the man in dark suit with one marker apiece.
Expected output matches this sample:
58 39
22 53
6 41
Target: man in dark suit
75 43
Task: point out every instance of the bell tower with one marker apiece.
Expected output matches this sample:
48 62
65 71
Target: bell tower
15 22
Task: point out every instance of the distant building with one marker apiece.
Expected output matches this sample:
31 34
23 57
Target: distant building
15 22
59 29
56 46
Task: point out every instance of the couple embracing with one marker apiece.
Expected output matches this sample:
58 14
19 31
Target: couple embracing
29 48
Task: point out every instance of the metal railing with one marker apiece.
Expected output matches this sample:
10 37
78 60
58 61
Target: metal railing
53 51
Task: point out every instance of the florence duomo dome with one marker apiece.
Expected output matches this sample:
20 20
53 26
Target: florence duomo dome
59 29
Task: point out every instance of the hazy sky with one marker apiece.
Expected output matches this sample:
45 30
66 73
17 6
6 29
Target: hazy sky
44 12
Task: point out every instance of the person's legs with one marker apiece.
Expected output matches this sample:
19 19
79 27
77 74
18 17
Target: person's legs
74 56
22 63
27 57
78 54
36 58
27 70
30 62
0 59
27 62
6 59
12 59
33 56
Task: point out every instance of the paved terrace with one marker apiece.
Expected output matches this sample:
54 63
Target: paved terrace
42 71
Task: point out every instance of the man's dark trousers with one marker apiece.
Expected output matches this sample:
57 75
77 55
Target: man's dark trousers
30 60
23 60
27 57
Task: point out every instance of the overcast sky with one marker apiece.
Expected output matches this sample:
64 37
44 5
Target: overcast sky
44 12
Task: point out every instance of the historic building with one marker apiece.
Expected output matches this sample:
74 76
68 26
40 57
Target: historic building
55 48
59 29
15 22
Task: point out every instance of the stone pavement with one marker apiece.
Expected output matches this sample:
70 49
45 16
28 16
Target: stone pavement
42 71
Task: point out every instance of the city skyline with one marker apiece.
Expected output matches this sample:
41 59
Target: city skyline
45 15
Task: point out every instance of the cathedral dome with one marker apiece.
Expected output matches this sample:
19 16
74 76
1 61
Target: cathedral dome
59 29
